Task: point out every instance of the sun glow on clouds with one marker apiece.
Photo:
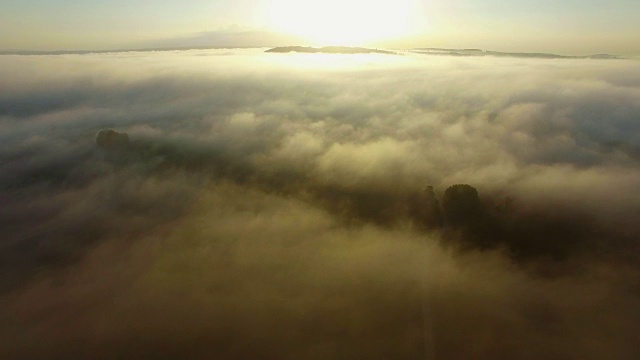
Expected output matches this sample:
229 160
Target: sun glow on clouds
344 22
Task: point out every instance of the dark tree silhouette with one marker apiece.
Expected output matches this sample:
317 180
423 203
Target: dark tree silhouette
461 205
112 140
425 210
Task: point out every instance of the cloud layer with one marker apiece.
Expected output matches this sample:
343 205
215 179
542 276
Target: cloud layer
264 205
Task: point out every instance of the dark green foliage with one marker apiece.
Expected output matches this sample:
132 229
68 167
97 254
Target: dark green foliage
112 140
467 220
424 209
461 205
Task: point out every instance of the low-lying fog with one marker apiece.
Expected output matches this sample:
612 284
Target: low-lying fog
232 204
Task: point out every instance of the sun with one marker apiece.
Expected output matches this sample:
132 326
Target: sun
344 22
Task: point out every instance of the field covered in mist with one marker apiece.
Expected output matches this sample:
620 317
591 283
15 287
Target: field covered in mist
277 206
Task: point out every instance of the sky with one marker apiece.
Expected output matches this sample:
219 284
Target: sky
568 27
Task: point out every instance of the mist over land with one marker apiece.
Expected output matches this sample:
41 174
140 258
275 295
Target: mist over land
432 51
327 50
348 50
235 204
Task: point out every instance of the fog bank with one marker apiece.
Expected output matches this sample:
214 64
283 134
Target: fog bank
231 204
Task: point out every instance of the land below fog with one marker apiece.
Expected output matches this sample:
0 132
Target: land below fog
480 52
327 50
433 51
332 50
224 204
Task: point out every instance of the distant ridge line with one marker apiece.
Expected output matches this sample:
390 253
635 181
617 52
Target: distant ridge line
480 52
324 50
83 52
328 50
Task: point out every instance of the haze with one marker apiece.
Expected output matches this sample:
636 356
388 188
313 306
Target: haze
568 27
473 197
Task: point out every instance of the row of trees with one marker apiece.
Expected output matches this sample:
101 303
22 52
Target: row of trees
465 219
461 207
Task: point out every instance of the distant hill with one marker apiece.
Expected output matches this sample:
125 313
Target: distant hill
112 51
479 52
327 50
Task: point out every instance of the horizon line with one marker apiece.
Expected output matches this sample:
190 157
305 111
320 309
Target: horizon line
35 52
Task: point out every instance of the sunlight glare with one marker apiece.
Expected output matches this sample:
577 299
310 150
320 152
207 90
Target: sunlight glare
344 22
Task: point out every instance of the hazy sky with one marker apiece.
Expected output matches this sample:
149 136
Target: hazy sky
570 26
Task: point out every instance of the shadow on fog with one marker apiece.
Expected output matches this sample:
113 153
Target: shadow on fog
290 301
463 217
53 231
